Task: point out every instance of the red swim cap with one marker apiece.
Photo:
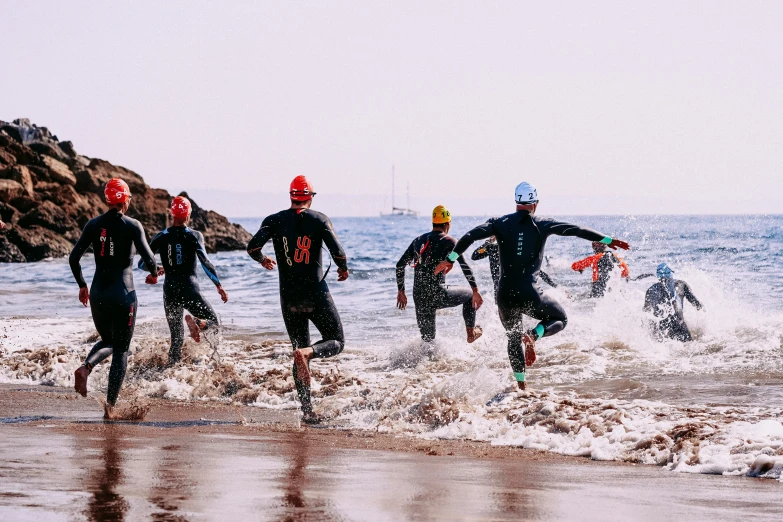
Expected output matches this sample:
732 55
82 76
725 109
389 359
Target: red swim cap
301 189
180 208
116 192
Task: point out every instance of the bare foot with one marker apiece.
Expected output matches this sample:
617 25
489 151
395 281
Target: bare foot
474 333
522 385
302 368
193 326
80 380
108 412
530 349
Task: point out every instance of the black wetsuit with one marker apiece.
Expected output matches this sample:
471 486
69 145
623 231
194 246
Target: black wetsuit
665 299
430 292
181 248
521 240
298 238
491 250
112 294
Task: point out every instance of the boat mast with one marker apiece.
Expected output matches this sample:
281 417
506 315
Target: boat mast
408 202
392 187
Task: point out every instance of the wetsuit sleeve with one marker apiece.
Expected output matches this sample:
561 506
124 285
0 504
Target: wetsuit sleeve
78 251
559 228
407 257
261 238
587 262
143 248
690 297
201 253
154 247
483 231
649 299
481 252
467 271
334 246
548 280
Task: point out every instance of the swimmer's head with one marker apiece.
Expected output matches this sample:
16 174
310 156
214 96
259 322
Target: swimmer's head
441 218
526 197
664 271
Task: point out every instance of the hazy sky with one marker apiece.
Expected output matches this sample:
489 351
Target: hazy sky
607 107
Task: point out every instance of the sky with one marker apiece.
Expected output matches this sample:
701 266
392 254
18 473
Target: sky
606 107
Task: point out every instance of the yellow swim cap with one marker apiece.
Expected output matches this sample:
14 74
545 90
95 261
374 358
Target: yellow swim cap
441 215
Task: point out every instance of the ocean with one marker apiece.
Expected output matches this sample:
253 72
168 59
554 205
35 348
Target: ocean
603 388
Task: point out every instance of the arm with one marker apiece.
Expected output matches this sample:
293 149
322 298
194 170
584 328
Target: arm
559 228
143 248
480 232
624 270
481 252
648 299
261 238
335 249
690 297
154 247
78 251
407 257
548 280
468 273
587 262
201 253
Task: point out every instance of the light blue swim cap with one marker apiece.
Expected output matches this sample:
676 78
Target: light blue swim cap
664 271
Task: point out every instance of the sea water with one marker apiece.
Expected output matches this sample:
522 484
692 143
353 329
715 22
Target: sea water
603 388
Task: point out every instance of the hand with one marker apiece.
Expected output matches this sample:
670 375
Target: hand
84 295
161 271
223 294
444 267
151 279
2 225
402 300
342 275
477 299
268 263
616 243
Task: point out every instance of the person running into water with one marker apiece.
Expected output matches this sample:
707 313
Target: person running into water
521 239
298 235
430 292
180 249
602 263
665 300
490 249
112 296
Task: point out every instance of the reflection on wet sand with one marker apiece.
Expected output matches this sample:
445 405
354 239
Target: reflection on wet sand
105 477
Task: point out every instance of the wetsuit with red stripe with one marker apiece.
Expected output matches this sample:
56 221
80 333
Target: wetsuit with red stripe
114 238
430 292
298 237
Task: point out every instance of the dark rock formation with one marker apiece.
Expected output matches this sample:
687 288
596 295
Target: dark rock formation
48 192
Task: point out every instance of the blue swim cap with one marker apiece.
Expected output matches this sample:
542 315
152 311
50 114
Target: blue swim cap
664 271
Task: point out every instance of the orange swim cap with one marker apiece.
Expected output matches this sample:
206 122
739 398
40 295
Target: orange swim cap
116 192
180 208
301 189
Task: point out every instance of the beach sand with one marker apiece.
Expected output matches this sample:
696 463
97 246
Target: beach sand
206 461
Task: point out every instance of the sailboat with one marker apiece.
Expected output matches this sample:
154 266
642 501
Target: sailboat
398 211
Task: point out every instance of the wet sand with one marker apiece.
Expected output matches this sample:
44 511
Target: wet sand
205 461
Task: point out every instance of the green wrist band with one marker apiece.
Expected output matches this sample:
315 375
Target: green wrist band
607 240
519 376
452 257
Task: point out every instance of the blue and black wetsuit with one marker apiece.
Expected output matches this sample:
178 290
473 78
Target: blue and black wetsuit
491 250
113 303
665 300
298 237
430 292
181 249
521 240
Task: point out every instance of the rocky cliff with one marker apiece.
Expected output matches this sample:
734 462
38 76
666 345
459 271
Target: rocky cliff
48 192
